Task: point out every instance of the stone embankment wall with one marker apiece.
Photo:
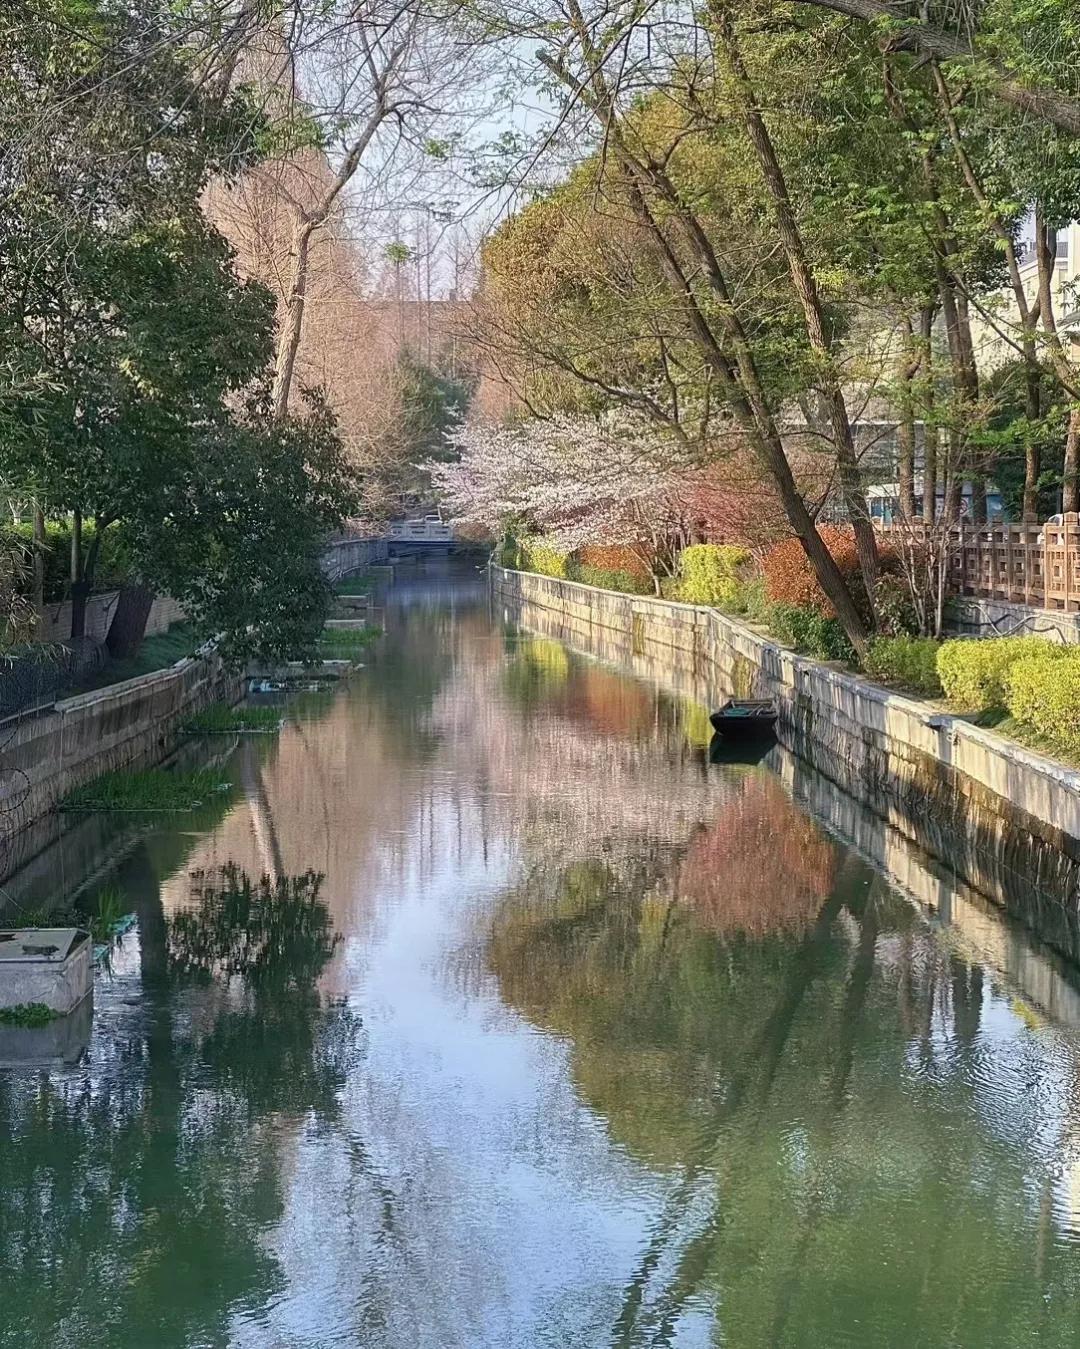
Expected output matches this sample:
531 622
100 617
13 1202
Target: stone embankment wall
46 754
1011 808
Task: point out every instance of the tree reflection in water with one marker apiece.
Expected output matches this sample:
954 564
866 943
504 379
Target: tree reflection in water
138 1189
807 1070
762 866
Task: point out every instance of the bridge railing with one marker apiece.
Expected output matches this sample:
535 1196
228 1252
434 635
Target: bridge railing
1024 564
428 530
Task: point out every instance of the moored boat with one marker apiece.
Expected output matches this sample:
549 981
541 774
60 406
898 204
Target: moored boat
745 717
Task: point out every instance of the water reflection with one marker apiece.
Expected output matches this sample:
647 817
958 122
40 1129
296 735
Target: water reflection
488 1014
135 1189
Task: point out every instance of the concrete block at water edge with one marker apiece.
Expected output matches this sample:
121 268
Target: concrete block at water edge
50 965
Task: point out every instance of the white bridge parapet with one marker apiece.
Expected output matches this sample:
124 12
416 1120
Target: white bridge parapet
422 529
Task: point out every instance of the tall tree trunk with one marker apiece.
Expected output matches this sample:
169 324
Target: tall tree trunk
83 564
930 477
1046 253
292 325
954 486
1070 480
1028 313
911 357
1033 414
128 625
931 432
40 544
805 283
79 589
978 500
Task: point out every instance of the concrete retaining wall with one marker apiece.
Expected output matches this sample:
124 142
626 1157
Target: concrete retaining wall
1011 807
971 617
54 620
47 754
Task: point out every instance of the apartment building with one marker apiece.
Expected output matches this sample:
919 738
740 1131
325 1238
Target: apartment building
996 318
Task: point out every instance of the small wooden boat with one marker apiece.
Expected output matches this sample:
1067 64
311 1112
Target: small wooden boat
745 718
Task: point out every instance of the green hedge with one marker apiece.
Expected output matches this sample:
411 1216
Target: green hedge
112 566
712 573
810 631
910 661
1042 692
973 670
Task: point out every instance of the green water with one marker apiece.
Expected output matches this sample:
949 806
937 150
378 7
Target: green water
543 1032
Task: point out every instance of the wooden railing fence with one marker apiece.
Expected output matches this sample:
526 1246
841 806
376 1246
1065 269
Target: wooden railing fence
1026 564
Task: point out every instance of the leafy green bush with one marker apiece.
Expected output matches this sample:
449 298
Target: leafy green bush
973 670
712 573
539 556
808 630
1042 692
911 661
756 601
607 578
112 564
27 1014
509 554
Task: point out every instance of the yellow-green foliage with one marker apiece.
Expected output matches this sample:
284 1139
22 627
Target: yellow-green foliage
910 661
1043 692
711 573
973 672
539 556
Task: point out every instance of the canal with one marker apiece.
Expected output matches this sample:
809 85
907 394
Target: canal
485 1012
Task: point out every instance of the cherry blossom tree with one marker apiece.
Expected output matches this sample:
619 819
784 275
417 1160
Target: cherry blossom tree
575 480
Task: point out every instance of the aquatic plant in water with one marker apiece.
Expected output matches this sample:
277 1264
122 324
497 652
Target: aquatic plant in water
221 719
27 1014
346 643
355 585
151 789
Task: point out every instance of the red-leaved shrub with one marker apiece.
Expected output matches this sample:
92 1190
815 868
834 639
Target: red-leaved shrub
790 579
612 557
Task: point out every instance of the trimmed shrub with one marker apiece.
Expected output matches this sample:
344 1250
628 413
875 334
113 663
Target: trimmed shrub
910 661
1043 693
607 579
790 579
973 670
712 573
755 600
809 630
542 557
